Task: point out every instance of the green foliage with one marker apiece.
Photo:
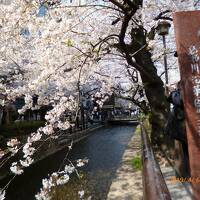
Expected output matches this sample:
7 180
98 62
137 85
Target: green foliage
136 163
147 124
20 128
142 117
138 130
69 43
97 51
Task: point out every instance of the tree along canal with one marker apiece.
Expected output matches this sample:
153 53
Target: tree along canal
104 149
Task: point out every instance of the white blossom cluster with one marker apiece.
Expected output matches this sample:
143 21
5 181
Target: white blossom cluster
2 153
28 104
81 194
13 142
81 162
49 54
34 137
59 178
54 115
151 9
2 194
13 145
16 169
28 150
28 161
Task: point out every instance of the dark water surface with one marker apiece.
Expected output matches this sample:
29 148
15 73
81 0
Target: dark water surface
104 149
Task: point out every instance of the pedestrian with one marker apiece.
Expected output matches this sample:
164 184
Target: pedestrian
175 127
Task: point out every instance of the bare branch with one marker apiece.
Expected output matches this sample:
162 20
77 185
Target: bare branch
160 16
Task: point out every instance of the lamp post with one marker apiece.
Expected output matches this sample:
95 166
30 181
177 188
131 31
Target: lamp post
163 30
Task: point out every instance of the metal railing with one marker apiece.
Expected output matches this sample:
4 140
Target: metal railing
154 186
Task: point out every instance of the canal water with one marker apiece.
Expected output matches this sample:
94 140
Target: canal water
104 149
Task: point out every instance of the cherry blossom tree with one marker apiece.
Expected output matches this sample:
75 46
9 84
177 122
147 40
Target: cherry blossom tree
55 51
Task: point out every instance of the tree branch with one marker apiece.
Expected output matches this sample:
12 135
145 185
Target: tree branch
160 16
119 5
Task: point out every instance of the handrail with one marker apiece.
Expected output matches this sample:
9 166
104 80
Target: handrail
154 186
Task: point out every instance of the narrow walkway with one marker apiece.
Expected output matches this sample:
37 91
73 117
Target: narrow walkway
127 184
178 190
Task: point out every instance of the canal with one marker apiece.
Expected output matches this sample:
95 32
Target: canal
104 149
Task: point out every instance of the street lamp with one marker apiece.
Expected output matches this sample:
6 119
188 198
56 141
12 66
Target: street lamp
163 30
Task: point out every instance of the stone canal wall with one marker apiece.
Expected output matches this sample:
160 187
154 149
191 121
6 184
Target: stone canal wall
49 148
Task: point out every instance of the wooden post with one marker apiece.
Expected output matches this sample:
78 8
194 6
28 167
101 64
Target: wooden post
187 32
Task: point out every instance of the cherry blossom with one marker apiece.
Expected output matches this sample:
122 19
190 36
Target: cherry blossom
13 150
2 194
81 162
62 180
27 162
81 194
43 195
69 169
61 53
28 150
34 137
16 169
13 142
2 153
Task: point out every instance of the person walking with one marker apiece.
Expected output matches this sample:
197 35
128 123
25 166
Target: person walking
175 127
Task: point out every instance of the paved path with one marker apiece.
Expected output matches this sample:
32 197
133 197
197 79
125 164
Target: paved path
178 190
127 184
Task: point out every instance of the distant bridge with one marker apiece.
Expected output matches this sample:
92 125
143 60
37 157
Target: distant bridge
123 121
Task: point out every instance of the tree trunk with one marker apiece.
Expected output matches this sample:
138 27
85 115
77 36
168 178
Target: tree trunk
153 85
6 115
155 94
